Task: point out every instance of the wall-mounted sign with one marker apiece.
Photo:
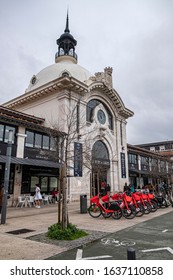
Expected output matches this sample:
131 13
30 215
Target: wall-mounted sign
78 159
123 165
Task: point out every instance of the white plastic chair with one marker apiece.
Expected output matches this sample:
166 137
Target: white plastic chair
31 201
21 201
50 198
46 199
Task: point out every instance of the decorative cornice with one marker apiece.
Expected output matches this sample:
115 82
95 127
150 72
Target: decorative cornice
114 96
50 88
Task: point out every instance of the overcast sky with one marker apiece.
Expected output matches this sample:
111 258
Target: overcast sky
135 37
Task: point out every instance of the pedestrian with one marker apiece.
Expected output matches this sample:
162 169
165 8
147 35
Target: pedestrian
54 194
108 189
132 188
126 188
103 188
1 195
38 196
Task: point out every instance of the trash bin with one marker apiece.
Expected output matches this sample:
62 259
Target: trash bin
83 203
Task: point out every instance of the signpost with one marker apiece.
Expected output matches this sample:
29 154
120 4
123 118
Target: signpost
6 178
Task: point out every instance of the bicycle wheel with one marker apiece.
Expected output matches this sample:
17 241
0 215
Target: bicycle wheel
154 206
147 208
129 213
117 214
106 214
140 211
94 211
164 203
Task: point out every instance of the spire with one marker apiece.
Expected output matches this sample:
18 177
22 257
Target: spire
67 24
66 45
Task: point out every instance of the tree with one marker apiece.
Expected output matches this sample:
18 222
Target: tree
66 130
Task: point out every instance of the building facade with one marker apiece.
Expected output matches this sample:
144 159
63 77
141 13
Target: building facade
32 153
89 110
147 167
68 114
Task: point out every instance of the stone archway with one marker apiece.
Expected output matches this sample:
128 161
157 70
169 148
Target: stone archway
100 166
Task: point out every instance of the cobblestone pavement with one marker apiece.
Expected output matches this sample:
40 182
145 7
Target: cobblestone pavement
26 245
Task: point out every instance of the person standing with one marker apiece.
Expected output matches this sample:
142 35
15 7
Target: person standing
103 188
1 195
38 196
126 188
108 189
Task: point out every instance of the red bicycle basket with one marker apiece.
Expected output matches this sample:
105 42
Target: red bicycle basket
115 196
105 198
136 196
151 196
128 198
144 196
94 199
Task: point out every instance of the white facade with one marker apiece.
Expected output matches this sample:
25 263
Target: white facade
53 94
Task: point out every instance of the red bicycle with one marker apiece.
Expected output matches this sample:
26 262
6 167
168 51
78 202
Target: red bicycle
145 203
140 210
127 206
97 208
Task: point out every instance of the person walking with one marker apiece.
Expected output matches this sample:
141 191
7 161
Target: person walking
1 195
38 196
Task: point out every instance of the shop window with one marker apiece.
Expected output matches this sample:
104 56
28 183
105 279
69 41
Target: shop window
38 140
46 142
52 144
7 129
132 158
4 133
53 183
144 160
44 185
29 139
1 132
34 181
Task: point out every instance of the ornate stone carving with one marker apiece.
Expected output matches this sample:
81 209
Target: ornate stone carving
105 77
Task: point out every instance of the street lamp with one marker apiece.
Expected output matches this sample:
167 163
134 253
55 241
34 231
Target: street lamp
6 177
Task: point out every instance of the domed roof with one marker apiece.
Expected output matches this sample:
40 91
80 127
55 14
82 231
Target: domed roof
55 71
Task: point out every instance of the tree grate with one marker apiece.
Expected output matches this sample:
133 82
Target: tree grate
20 231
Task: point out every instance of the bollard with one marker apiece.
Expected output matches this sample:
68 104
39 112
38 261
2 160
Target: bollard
131 254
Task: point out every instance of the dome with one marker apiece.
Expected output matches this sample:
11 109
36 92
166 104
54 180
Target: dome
54 71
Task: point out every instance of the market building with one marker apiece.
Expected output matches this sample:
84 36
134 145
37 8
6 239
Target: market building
64 91
66 110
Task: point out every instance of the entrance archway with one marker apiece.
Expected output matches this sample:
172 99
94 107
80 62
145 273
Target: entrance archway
100 166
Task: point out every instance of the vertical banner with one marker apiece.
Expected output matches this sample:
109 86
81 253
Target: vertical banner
123 165
78 159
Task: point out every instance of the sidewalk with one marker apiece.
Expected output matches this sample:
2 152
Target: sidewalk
17 247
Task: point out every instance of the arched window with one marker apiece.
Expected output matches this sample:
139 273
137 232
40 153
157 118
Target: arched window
100 151
90 108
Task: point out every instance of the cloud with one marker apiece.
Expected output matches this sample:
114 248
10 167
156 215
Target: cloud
134 37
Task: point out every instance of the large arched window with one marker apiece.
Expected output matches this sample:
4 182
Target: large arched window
90 108
100 152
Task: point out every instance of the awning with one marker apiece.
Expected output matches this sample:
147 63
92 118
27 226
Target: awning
142 172
29 161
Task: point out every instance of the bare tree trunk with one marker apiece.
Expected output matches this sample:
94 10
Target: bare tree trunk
64 198
59 200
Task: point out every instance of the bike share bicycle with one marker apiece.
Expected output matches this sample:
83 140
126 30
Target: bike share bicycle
115 206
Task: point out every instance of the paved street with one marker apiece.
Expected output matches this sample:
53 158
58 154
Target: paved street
18 247
152 240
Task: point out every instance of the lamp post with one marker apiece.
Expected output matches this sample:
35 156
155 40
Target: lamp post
6 177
